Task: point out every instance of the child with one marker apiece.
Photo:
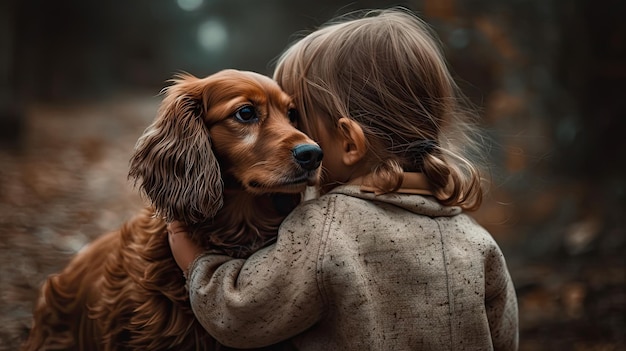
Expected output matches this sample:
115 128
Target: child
385 259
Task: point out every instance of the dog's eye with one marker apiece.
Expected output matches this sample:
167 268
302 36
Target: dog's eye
246 114
293 115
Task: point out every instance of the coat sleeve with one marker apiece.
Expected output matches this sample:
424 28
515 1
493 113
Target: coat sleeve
501 303
271 296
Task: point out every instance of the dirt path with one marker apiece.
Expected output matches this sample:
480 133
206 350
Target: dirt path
62 187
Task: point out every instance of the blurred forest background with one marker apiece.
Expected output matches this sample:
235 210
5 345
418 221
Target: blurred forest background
80 82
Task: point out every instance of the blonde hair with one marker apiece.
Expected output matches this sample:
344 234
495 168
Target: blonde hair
384 70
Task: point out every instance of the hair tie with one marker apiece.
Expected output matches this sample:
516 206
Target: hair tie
416 152
422 147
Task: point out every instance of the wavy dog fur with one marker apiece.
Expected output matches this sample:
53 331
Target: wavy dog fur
216 157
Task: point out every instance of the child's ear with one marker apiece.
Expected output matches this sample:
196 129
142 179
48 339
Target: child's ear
353 141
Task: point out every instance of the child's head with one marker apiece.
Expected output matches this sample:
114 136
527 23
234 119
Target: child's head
384 71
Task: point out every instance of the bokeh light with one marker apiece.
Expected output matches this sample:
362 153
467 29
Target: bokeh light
189 5
212 35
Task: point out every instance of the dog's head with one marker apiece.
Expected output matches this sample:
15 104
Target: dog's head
232 126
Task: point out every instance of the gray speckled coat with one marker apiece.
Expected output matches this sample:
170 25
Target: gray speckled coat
355 271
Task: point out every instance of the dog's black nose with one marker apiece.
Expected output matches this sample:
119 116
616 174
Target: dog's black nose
308 156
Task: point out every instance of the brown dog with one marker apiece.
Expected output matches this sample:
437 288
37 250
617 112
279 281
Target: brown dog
218 155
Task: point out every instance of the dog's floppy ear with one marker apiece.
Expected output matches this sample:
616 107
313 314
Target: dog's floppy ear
173 160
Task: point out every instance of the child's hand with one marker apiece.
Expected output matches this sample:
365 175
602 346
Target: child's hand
183 249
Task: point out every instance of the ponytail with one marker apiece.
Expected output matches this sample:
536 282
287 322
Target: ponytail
453 184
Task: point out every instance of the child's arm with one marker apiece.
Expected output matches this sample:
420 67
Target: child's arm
501 303
183 249
270 297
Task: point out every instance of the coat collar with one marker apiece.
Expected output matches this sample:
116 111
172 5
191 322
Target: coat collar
414 195
412 183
